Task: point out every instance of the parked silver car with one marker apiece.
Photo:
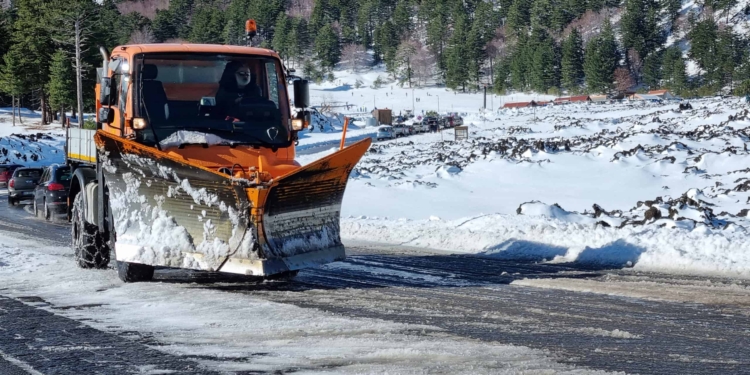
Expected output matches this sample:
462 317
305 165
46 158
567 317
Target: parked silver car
385 132
401 130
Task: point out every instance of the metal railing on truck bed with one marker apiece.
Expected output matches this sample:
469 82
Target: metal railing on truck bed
80 146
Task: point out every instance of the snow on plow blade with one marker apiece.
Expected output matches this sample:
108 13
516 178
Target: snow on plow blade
171 213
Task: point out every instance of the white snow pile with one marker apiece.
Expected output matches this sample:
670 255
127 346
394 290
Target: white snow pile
32 149
181 137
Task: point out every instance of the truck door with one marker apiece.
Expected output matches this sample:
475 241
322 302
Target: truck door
120 75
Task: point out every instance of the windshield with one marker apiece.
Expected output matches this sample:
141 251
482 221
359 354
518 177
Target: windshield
229 99
63 176
32 173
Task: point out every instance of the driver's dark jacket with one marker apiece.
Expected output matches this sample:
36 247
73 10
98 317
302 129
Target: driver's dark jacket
227 101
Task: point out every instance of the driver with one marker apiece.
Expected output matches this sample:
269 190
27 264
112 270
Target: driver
237 83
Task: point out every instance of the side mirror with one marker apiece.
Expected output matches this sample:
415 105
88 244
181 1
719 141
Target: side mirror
106 115
105 90
301 93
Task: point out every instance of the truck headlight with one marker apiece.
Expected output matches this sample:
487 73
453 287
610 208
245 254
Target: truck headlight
298 124
139 123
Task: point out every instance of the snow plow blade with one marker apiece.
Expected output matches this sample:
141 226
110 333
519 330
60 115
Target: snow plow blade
168 212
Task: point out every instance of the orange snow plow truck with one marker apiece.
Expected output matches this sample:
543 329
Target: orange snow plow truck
192 165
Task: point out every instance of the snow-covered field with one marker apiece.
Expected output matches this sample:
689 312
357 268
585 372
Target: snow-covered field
631 184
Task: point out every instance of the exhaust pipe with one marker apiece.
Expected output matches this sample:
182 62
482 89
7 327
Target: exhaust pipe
105 60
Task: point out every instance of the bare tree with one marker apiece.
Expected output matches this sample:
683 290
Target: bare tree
623 80
354 57
404 54
142 36
423 64
147 8
635 63
496 49
73 27
588 24
301 8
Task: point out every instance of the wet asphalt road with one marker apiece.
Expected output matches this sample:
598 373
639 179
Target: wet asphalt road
467 296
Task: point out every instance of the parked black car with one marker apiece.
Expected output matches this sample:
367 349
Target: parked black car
51 195
6 173
21 186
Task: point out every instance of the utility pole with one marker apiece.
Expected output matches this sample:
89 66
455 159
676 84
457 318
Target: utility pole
485 97
79 73
438 103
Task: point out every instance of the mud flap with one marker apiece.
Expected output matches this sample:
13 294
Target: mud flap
170 213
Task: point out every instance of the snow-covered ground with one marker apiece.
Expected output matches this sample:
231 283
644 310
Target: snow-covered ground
632 184
248 334
29 143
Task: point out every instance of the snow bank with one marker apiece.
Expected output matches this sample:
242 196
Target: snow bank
541 238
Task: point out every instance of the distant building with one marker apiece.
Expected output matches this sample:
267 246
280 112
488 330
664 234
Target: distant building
542 104
384 116
649 97
598 99
520 104
572 99
663 94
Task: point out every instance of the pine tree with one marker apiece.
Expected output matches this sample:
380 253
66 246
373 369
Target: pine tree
33 38
640 28
518 16
519 64
327 47
600 60
402 18
544 70
456 73
652 70
386 44
13 80
437 34
207 25
234 29
541 14
704 48
163 26
572 61
365 26
281 35
264 12
61 85
180 11
502 73
673 70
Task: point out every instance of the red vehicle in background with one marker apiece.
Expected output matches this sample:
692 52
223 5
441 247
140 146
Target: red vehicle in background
6 172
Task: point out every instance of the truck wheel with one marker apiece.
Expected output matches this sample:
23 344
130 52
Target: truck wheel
127 272
134 272
89 251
